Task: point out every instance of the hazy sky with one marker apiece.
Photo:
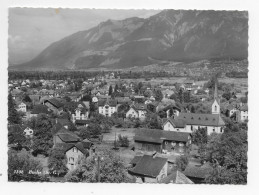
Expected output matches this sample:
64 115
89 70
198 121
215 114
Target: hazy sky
33 29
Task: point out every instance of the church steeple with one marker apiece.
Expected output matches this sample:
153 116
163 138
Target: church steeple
215 108
216 90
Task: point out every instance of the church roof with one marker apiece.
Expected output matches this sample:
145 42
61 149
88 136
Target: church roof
201 119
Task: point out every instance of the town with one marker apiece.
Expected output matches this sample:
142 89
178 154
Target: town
128 127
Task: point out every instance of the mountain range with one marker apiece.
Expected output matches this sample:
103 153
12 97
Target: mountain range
171 35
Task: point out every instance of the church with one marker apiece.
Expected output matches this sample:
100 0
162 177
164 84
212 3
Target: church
189 122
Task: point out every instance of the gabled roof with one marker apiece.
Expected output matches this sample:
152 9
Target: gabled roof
67 136
149 166
55 102
177 123
139 106
40 109
135 160
112 103
157 136
201 119
176 177
244 108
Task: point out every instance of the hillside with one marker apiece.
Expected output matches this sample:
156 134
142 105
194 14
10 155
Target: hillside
171 35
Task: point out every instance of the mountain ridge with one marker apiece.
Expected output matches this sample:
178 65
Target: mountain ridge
171 35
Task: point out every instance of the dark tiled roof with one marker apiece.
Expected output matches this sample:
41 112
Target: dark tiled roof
82 122
135 160
197 171
148 135
180 123
201 119
149 166
176 177
40 109
139 106
244 108
109 102
67 136
157 136
55 102
67 146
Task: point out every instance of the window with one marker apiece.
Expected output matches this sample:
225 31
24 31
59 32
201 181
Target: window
71 159
213 130
166 142
75 149
191 127
177 129
168 125
215 108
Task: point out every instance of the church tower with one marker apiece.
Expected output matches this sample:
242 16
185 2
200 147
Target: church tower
215 108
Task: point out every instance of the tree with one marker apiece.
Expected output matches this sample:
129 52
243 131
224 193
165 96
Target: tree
110 90
228 152
182 162
57 162
158 95
123 141
93 130
27 98
42 138
13 115
22 166
112 169
87 98
152 121
116 88
192 109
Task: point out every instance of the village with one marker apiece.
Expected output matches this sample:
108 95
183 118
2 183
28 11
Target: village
155 130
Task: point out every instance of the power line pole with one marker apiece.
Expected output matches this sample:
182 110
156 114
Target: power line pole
98 168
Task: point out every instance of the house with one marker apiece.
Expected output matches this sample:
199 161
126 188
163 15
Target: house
95 99
22 107
80 112
231 109
149 169
137 111
190 122
197 173
244 113
74 152
176 177
55 105
28 132
107 107
39 109
150 140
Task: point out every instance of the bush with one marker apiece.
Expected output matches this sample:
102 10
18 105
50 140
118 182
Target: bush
182 162
123 141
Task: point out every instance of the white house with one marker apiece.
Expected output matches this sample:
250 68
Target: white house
28 132
80 113
22 107
107 107
244 113
137 111
73 156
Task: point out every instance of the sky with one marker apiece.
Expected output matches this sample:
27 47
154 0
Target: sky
33 29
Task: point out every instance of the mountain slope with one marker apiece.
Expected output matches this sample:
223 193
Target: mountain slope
174 35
